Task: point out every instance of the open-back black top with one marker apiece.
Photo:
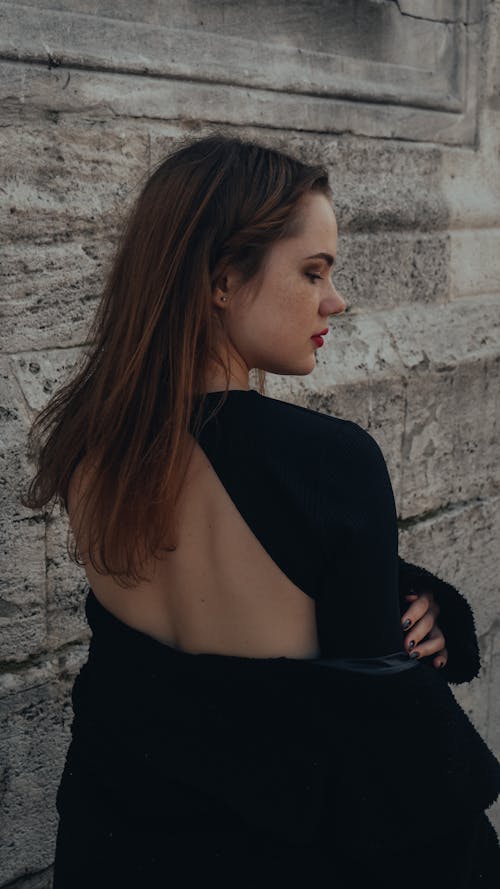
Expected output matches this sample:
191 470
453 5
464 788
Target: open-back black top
306 749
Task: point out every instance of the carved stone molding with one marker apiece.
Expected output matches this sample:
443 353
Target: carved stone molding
394 69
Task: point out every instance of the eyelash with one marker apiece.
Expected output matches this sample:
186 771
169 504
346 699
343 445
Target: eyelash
313 277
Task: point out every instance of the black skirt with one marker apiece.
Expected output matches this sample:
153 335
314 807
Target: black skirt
187 770
143 855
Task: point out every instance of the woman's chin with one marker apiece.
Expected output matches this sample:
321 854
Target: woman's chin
293 368
306 367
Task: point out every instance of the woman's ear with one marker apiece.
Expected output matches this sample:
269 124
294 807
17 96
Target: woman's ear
221 285
227 283
221 289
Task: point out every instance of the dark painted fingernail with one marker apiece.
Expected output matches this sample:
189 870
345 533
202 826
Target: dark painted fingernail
415 654
412 644
406 623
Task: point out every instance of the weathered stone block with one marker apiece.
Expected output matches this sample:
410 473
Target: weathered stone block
77 178
378 186
493 735
475 262
35 720
39 374
48 293
376 63
460 544
450 438
378 270
66 589
22 580
97 96
41 880
61 224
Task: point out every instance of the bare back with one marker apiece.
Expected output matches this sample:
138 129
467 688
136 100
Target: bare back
219 591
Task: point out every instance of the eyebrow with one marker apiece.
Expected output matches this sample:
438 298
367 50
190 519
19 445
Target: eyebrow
326 256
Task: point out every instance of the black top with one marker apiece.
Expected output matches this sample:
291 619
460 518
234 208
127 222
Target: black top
289 746
316 492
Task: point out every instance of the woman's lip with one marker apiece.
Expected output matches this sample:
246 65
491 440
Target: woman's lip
318 340
322 332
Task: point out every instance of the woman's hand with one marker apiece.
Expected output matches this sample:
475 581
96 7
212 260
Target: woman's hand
423 629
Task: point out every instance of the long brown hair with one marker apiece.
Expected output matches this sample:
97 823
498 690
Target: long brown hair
213 202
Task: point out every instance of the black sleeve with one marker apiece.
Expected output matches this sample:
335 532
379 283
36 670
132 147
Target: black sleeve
456 620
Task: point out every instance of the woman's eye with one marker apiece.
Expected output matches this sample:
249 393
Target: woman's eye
313 277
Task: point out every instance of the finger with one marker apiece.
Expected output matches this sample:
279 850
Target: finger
441 658
411 596
432 601
423 593
418 631
433 643
415 611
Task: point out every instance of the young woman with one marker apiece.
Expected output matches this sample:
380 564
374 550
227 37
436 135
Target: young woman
251 713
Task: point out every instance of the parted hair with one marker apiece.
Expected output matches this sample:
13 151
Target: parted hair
213 202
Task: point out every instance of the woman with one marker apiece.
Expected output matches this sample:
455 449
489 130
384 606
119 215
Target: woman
251 712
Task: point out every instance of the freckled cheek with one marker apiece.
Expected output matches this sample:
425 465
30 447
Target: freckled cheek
295 299
290 338
287 314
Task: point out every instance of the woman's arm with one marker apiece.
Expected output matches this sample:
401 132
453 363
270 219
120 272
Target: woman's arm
456 620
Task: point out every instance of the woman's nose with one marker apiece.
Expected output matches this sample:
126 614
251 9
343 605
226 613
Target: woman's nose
335 304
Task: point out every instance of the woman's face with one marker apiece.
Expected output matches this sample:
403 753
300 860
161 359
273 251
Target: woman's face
270 321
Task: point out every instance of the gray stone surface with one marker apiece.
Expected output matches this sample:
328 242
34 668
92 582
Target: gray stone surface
35 719
66 590
452 542
91 93
493 730
401 101
458 543
41 880
22 535
416 63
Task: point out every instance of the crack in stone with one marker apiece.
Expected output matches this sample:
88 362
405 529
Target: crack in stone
32 880
450 507
424 18
40 659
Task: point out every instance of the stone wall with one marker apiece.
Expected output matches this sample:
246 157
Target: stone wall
402 101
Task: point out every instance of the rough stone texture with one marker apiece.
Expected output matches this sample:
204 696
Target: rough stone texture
493 730
389 57
35 719
41 880
401 100
453 542
22 535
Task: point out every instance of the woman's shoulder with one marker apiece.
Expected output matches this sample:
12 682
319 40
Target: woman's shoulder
316 426
250 402
280 429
